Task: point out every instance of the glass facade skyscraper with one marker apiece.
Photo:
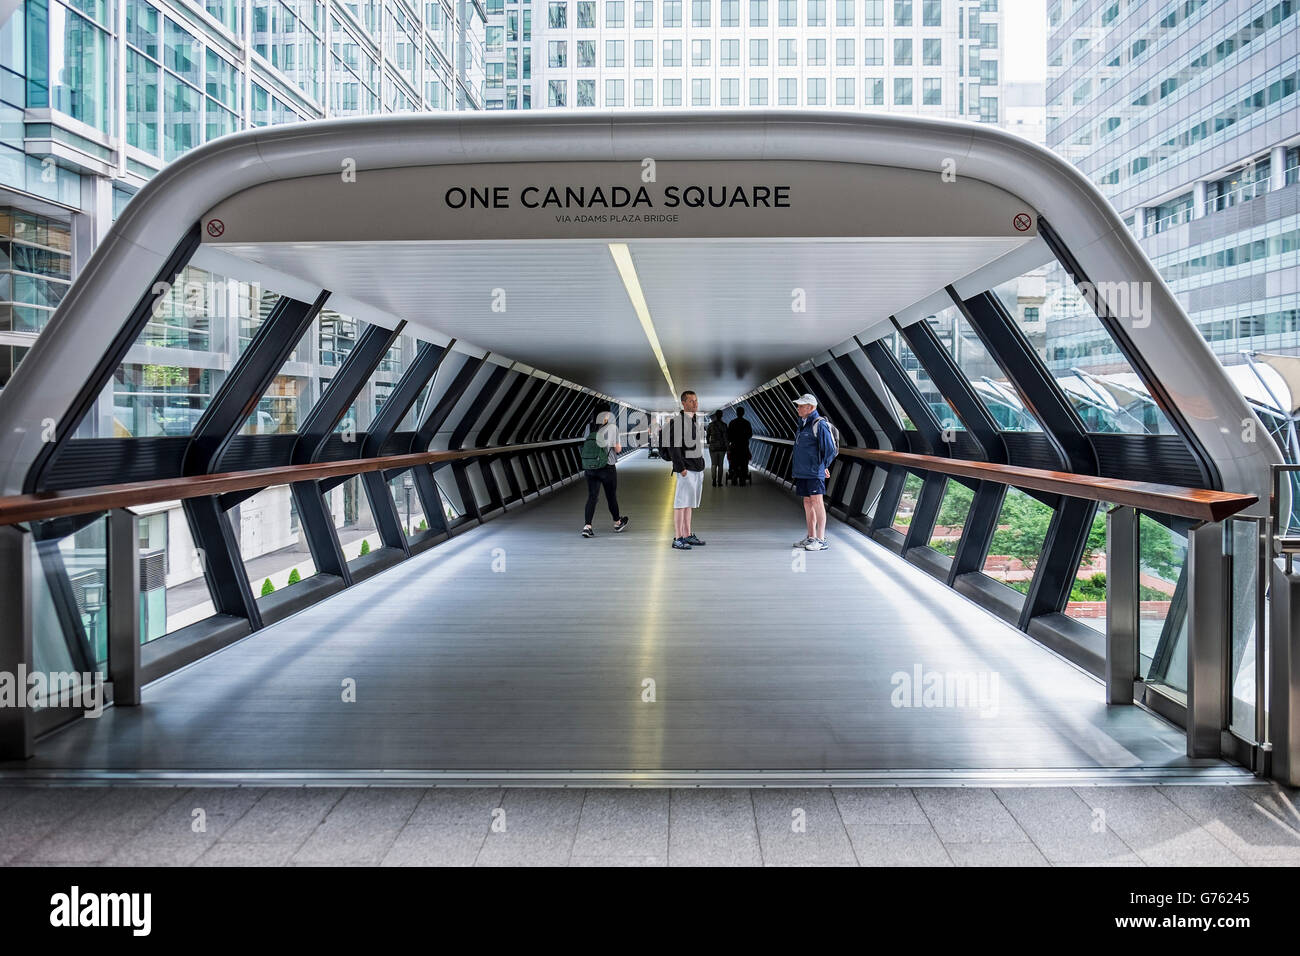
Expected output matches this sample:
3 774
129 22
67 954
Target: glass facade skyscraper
97 95
1185 115
927 57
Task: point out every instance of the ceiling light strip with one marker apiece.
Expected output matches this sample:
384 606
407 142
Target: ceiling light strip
623 260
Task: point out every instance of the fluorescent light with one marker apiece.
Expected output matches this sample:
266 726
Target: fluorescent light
623 260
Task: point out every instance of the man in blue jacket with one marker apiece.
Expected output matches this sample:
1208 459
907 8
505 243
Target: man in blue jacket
814 450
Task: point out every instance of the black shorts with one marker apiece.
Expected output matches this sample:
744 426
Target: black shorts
806 487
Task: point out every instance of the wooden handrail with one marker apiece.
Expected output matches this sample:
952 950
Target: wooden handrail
1196 503
77 501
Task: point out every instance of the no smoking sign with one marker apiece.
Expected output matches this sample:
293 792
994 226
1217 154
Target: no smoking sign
1022 222
216 227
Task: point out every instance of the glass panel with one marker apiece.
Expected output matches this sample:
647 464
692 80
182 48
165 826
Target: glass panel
929 391
195 332
1079 352
409 509
173 591
1163 618
271 540
1018 541
1087 603
951 521
907 503
353 520
1244 542
986 377
70 605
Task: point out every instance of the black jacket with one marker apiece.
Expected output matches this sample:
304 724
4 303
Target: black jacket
739 432
684 439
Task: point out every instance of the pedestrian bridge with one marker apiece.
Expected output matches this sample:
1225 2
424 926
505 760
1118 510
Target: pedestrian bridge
292 469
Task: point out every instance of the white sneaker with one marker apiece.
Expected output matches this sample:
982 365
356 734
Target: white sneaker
802 544
815 545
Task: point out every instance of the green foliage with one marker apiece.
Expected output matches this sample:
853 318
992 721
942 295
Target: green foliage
422 526
956 505
1089 589
1025 521
294 576
365 546
1159 553
267 587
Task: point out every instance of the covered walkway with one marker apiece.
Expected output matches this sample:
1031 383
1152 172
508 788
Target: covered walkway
519 650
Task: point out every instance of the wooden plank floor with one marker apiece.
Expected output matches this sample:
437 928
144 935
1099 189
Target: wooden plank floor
521 645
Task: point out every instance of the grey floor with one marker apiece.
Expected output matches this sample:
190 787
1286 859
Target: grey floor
940 826
522 647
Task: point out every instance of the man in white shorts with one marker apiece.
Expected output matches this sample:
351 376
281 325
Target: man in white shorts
686 449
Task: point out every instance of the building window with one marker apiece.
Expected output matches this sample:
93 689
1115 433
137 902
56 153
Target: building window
787 91
614 13
672 13
556 91
700 92
701 13
758 13
903 51
988 109
873 13
557 16
932 13
586 14
586 53
788 53
730 53
614 53
844 51
672 53
902 13
816 91
902 91
644 12
816 52
758 53
932 53
874 50
758 91
699 53
644 53
729 91
613 92
672 93
816 13
932 91
730 13
558 51
844 12
844 91
644 92
586 93
873 92
787 16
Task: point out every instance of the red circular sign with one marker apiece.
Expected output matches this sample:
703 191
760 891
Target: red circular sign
1022 222
216 227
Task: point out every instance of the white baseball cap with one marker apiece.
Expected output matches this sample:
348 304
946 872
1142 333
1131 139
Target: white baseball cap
806 399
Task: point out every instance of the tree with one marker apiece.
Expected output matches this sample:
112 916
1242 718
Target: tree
365 546
294 576
267 587
1022 528
956 505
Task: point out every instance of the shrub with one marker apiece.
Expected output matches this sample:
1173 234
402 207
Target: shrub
294 576
267 587
365 546
422 526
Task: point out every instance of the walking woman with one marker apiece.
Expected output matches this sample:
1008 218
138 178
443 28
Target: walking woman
716 435
599 452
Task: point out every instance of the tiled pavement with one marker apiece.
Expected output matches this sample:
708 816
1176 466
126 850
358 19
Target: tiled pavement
963 826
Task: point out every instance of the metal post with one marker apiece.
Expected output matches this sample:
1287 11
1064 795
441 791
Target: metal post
123 606
1284 674
1123 604
1207 640
16 734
